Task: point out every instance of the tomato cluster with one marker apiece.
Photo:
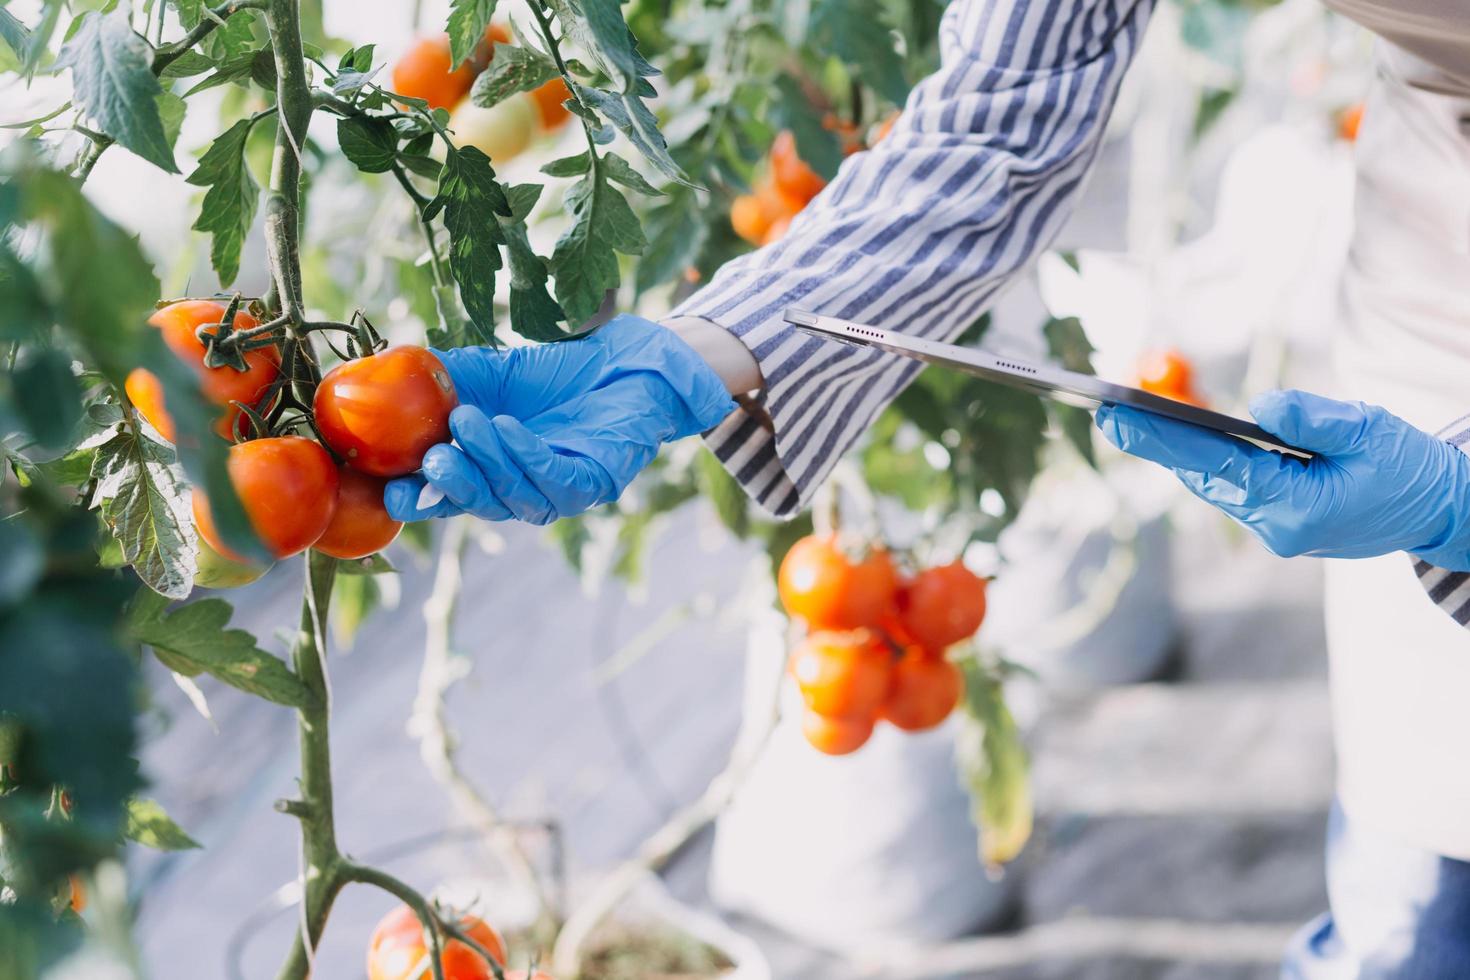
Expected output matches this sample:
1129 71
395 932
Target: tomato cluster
1170 374
501 131
379 414
877 642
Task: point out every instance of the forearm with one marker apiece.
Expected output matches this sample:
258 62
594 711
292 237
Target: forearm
722 351
920 233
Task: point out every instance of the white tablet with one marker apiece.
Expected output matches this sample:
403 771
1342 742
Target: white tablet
1048 380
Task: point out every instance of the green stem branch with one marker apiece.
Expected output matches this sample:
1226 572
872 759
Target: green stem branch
323 869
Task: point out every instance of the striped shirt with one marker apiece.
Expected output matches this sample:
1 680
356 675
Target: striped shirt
920 234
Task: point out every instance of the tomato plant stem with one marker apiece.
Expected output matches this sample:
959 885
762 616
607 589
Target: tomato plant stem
322 865
283 201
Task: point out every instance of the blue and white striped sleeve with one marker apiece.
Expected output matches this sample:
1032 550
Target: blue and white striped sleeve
1450 590
921 232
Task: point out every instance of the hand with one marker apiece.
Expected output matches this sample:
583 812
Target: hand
546 432
1376 485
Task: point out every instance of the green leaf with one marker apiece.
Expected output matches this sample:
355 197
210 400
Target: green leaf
993 767
95 278
15 34
468 21
354 599
146 504
187 65
533 313
233 39
472 201
112 80
171 109
724 492
572 166
860 33
370 142
71 470
149 825
512 69
522 198
635 121
230 202
818 146
47 396
619 171
676 234
1067 342
598 28
371 565
584 261
194 639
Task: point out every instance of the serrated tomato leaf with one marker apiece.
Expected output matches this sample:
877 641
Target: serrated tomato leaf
371 143
145 503
512 69
636 121
676 233
598 28
585 262
473 202
468 21
195 638
113 81
230 201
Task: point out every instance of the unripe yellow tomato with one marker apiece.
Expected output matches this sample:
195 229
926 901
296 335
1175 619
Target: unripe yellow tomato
502 132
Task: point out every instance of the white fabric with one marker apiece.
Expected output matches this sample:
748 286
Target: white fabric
1400 665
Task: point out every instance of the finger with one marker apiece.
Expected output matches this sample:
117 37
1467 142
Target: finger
450 470
476 373
1177 445
476 435
401 498
1311 422
572 483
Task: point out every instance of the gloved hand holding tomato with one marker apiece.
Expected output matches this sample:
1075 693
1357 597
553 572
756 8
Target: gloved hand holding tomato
546 432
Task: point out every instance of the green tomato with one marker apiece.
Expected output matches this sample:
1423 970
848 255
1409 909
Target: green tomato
214 571
502 132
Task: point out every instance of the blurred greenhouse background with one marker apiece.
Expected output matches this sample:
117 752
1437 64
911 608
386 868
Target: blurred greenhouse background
1177 717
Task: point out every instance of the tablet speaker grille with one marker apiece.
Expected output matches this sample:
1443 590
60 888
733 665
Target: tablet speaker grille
1016 367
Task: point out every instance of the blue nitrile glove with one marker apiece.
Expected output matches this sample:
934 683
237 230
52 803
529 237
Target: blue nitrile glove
1376 485
549 431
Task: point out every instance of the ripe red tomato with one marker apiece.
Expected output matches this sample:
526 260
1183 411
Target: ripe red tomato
942 606
382 412
843 675
819 584
399 950
360 525
179 323
549 103
288 487
423 73
925 689
835 736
